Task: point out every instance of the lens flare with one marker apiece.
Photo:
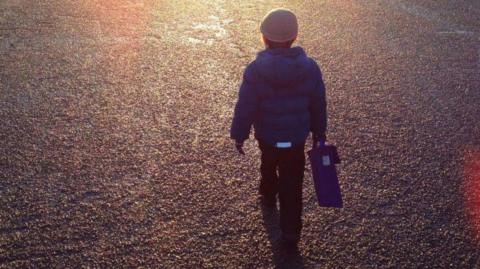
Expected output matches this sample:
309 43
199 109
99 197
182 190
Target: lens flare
472 189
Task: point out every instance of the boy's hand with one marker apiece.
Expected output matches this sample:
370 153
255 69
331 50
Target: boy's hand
319 141
239 146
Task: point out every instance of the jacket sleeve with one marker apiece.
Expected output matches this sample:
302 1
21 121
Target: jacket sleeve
318 107
245 109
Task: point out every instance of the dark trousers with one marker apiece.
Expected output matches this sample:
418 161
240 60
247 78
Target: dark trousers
282 173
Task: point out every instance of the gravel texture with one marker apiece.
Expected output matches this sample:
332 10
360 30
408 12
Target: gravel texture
114 148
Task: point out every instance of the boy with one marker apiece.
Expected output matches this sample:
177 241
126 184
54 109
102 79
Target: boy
283 96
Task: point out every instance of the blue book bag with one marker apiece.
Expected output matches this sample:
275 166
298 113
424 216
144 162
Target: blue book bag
324 173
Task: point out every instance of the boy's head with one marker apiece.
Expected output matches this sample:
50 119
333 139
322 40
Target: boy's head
279 28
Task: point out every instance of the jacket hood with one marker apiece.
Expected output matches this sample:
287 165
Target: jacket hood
282 65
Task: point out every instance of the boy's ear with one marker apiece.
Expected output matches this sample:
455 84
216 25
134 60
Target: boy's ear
293 41
265 41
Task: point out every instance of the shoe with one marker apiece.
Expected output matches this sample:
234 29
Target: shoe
289 247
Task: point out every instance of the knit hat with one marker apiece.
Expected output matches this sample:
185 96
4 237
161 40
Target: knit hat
280 25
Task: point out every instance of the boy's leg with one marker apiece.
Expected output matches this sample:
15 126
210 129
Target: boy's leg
268 169
291 173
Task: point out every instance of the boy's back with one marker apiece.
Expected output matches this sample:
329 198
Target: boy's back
282 96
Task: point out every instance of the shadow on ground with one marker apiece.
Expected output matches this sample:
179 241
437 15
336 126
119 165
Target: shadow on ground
271 223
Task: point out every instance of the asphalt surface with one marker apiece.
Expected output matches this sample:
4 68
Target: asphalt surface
114 147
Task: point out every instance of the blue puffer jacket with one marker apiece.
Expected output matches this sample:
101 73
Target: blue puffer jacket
283 96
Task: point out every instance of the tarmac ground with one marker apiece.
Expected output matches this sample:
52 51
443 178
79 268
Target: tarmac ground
115 149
